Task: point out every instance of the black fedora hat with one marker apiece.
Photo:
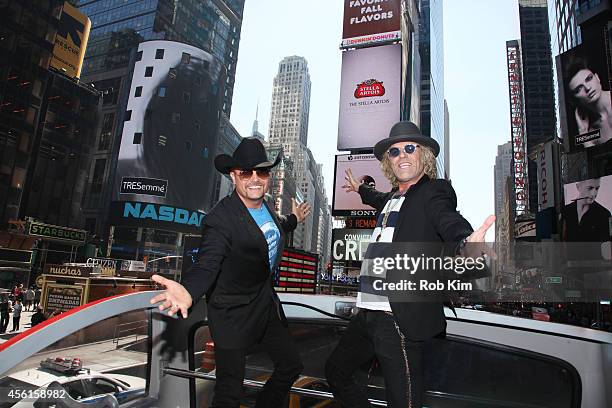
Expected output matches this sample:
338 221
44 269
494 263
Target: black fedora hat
250 154
405 132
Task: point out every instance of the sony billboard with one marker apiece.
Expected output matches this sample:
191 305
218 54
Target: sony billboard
366 169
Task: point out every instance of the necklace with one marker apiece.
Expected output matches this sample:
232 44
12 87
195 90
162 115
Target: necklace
386 216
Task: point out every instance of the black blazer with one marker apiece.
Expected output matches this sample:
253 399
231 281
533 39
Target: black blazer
428 214
233 271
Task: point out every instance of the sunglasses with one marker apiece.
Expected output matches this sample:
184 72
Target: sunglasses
248 173
395 151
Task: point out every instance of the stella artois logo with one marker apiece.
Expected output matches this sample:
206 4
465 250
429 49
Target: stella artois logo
369 88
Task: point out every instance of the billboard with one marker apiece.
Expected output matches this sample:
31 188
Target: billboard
586 214
367 22
297 272
584 89
151 215
546 183
70 41
370 95
350 244
365 168
517 124
170 133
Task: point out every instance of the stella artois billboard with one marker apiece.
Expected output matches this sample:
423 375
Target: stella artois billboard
370 21
370 95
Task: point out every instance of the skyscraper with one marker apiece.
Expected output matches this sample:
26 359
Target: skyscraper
47 120
565 33
290 104
289 129
502 171
431 49
539 105
446 142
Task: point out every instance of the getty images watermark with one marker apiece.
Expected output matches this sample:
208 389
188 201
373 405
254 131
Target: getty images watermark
404 263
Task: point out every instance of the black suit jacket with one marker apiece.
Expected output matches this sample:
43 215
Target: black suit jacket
233 271
428 214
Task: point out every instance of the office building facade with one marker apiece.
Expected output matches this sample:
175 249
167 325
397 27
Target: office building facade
431 49
47 121
538 85
290 105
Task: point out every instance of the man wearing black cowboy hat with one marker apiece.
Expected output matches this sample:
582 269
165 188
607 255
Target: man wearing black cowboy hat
419 209
242 241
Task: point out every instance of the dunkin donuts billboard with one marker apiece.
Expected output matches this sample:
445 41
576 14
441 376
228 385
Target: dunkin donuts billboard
368 22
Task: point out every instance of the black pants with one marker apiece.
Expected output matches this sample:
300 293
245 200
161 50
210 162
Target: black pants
231 364
16 322
4 321
369 334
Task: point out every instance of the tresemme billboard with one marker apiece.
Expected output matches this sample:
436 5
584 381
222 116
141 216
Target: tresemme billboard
169 137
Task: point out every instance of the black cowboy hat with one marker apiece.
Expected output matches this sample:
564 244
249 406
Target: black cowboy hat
250 154
405 132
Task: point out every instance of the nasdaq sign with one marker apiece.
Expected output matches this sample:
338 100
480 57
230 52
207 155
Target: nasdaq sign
133 213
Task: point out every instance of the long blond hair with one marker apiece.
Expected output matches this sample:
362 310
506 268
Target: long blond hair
427 158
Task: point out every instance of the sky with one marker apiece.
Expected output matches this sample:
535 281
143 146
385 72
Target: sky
475 74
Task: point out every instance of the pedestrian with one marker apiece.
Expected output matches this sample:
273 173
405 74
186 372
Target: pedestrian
37 292
38 317
5 307
15 293
241 247
17 308
420 208
29 299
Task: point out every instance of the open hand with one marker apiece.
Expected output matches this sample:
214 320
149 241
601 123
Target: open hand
174 298
475 243
301 211
351 185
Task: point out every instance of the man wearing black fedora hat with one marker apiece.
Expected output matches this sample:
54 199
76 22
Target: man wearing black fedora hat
242 241
419 209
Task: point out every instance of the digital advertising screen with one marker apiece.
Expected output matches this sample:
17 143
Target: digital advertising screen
584 90
170 134
297 272
366 169
367 22
586 214
370 95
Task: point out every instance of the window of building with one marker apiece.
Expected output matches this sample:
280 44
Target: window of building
138 56
128 116
137 138
148 72
106 131
159 53
98 172
185 58
138 91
